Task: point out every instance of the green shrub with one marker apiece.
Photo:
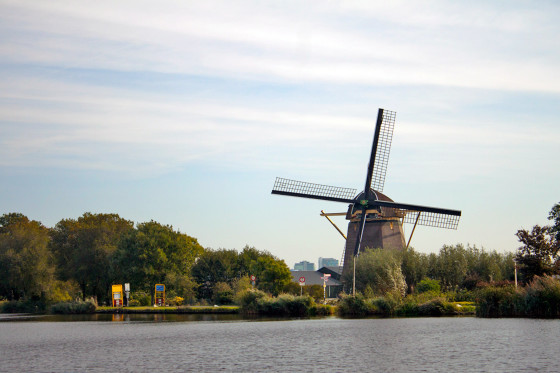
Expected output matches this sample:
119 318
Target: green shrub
542 297
140 299
428 285
24 306
462 295
386 305
408 308
249 300
499 302
73 307
322 310
354 306
134 303
222 293
437 307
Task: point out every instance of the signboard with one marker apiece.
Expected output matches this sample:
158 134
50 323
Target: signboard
126 294
302 280
160 295
253 279
117 295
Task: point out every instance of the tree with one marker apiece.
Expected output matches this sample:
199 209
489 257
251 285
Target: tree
451 266
155 253
539 254
554 215
272 274
414 267
379 270
84 248
213 267
26 266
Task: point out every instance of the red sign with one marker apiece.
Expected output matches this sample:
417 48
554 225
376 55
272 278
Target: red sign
302 279
253 277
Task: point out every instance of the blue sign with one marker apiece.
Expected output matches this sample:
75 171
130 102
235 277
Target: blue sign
159 287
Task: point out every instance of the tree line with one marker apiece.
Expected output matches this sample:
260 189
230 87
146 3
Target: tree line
84 256
457 267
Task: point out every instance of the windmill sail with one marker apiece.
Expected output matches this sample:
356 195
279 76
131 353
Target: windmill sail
383 149
429 216
375 220
303 189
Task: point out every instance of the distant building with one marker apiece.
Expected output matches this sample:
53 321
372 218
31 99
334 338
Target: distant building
333 286
304 266
327 262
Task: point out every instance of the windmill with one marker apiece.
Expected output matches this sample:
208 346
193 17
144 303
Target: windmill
375 220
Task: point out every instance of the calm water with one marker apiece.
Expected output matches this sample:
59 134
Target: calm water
210 343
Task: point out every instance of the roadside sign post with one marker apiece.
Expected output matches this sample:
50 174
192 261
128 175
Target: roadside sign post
325 279
126 294
160 295
253 280
301 284
117 295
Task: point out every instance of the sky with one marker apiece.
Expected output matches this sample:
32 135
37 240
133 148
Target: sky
185 112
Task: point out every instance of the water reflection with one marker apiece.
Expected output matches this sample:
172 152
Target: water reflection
127 317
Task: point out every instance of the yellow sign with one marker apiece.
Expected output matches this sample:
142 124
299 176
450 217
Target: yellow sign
160 295
117 295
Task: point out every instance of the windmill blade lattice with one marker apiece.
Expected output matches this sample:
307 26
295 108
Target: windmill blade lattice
429 216
383 150
303 189
431 219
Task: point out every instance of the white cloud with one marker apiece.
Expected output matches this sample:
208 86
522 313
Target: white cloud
442 44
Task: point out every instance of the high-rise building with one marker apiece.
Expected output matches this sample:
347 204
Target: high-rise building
304 266
327 262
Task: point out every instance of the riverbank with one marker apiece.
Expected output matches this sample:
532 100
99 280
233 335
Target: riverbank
172 310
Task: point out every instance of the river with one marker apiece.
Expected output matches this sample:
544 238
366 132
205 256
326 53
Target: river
229 343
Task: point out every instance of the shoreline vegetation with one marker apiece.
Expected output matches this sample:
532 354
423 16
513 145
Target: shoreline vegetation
539 299
71 268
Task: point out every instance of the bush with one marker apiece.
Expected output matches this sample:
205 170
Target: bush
386 305
408 308
462 295
354 306
175 301
322 310
428 284
249 300
140 299
223 294
499 302
133 303
542 298
73 307
257 302
437 307
24 306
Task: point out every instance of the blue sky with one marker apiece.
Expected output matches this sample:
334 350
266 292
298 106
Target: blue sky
184 112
